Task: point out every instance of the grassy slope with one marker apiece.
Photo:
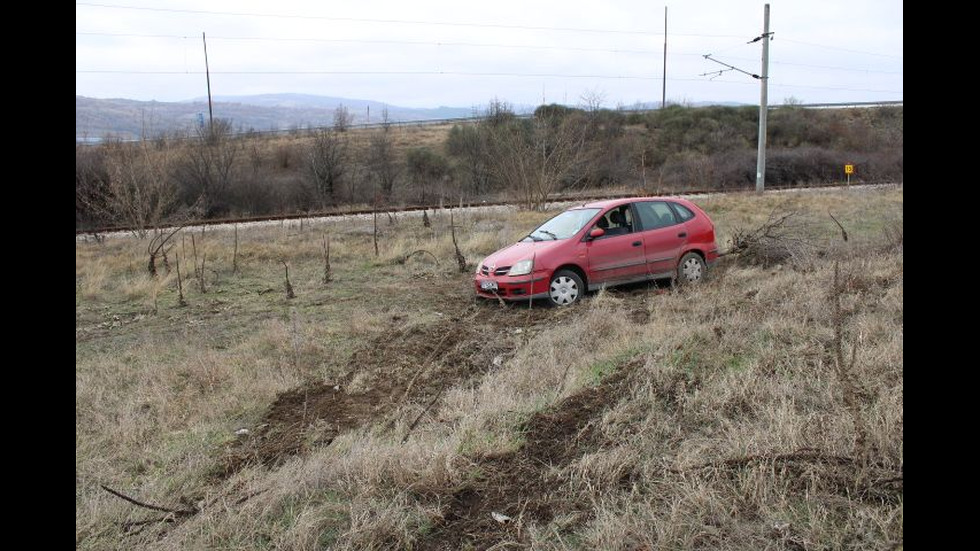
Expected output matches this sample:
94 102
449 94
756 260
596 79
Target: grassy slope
718 417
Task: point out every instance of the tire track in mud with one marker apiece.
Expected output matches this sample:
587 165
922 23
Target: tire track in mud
525 485
410 365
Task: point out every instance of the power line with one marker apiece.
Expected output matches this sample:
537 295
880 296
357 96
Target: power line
777 84
836 88
473 45
341 72
838 48
361 20
376 41
399 21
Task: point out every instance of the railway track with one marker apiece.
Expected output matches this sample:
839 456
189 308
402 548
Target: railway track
465 205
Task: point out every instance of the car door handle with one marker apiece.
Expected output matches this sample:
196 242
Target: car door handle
637 243
682 234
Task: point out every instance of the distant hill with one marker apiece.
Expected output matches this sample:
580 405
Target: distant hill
96 118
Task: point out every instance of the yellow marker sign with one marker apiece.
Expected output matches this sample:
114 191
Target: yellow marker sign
848 169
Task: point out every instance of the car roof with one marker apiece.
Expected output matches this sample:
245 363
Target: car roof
609 203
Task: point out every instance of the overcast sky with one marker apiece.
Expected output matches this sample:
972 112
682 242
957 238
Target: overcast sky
427 53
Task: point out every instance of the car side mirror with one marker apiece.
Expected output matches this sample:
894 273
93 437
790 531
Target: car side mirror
596 233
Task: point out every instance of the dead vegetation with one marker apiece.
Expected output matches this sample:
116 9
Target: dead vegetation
388 409
779 239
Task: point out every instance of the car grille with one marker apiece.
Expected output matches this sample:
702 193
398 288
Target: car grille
501 270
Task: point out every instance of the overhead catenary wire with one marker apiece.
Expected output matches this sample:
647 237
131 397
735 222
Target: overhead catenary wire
474 45
344 72
838 48
367 20
164 69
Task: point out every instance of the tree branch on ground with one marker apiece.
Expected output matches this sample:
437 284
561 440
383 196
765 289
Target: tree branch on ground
777 240
150 506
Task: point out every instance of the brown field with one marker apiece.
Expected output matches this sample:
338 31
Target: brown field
390 409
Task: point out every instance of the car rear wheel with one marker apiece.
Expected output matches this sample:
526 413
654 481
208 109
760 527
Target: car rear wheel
565 288
690 269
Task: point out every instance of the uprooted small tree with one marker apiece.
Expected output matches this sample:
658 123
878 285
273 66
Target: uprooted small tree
779 239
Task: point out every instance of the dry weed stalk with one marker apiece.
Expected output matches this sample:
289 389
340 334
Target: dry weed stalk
460 259
326 259
180 284
375 232
289 286
234 255
844 369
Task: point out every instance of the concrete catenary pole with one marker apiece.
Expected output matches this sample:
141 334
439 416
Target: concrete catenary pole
760 171
207 73
663 96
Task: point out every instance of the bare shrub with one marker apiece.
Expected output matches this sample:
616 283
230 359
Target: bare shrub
342 118
138 193
327 163
383 161
208 165
536 158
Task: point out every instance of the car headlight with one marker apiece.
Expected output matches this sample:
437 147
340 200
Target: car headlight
521 268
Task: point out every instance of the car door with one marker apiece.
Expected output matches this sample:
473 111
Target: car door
618 256
664 237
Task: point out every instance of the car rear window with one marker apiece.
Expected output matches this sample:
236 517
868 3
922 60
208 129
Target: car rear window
683 212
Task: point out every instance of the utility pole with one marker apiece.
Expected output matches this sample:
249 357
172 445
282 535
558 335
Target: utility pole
760 171
207 73
663 97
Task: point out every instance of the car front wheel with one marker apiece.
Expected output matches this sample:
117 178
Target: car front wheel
690 269
565 288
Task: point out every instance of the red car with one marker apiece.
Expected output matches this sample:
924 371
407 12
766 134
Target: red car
602 244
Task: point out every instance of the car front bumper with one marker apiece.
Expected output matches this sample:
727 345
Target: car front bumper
511 288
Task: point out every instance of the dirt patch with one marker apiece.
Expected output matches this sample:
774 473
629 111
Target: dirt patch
524 485
403 366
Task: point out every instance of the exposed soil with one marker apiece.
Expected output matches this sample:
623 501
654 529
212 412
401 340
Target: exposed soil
524 485
403 366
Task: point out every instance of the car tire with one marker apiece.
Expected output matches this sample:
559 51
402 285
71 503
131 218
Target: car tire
565 288
691 269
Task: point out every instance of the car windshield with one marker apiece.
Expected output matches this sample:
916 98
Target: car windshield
562 226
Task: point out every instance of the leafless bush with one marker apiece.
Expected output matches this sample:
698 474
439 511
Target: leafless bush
209 166
327 163
138 192
342 118
535 158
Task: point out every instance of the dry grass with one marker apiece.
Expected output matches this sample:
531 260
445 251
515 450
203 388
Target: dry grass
728 431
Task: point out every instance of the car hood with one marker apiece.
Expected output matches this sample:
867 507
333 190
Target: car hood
513 254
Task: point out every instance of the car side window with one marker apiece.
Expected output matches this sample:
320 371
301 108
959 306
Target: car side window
655 214
618 221
683 212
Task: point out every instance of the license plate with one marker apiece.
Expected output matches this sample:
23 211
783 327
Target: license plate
488 285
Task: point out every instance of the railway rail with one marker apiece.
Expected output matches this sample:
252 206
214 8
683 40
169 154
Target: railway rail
415 208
